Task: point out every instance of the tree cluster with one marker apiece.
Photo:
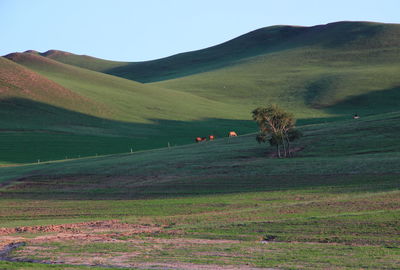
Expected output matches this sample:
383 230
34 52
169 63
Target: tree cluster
277 127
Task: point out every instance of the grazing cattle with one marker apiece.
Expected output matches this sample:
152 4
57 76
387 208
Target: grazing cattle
232 134
200 139
211 137
356 116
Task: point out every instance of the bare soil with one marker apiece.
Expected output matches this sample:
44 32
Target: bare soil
108 231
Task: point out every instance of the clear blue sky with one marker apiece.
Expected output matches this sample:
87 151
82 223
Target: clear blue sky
133 30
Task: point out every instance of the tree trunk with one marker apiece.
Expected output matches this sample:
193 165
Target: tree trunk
284 146
288 145
278 151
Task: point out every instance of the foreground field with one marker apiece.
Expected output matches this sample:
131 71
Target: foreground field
225 204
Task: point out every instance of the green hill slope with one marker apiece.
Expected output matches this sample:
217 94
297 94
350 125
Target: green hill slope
310 70
113 115
327 71
126 100
367 145
335 64
42 120
308 82
17 81
348 36
83 61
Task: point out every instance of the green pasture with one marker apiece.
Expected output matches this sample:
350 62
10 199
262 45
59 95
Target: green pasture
34 131
321 74
334 205
337 196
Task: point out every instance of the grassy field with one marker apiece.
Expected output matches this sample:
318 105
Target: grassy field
225 202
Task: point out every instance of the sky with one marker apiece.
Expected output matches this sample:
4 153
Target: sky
133 30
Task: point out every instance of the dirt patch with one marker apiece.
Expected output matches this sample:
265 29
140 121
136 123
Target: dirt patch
92 226
110 231
54 228
178 265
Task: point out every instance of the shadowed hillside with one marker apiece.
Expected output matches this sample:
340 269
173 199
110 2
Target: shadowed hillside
31 131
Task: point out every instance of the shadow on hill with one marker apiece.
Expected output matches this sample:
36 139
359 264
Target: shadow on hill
264 40
339 35
32 131
107 187
374 102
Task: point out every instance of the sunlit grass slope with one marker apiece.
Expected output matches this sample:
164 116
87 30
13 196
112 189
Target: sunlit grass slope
83 61
127 100
19 82
344 63
316 71
343 36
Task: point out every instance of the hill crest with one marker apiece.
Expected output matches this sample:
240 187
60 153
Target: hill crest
346 35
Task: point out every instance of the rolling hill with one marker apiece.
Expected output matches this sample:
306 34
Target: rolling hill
127 100
319 73
125 115
226 203
315 71
343 36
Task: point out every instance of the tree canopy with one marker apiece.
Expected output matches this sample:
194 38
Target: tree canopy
277 127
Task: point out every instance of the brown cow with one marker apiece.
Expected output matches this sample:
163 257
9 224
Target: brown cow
200 139
232 134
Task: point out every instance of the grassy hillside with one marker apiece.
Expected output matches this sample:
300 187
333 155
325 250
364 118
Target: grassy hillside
364 141
308 82
83 61
343 36
325 67
42 120
319 73
225 202
54 111
17 81
127 100
313 71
